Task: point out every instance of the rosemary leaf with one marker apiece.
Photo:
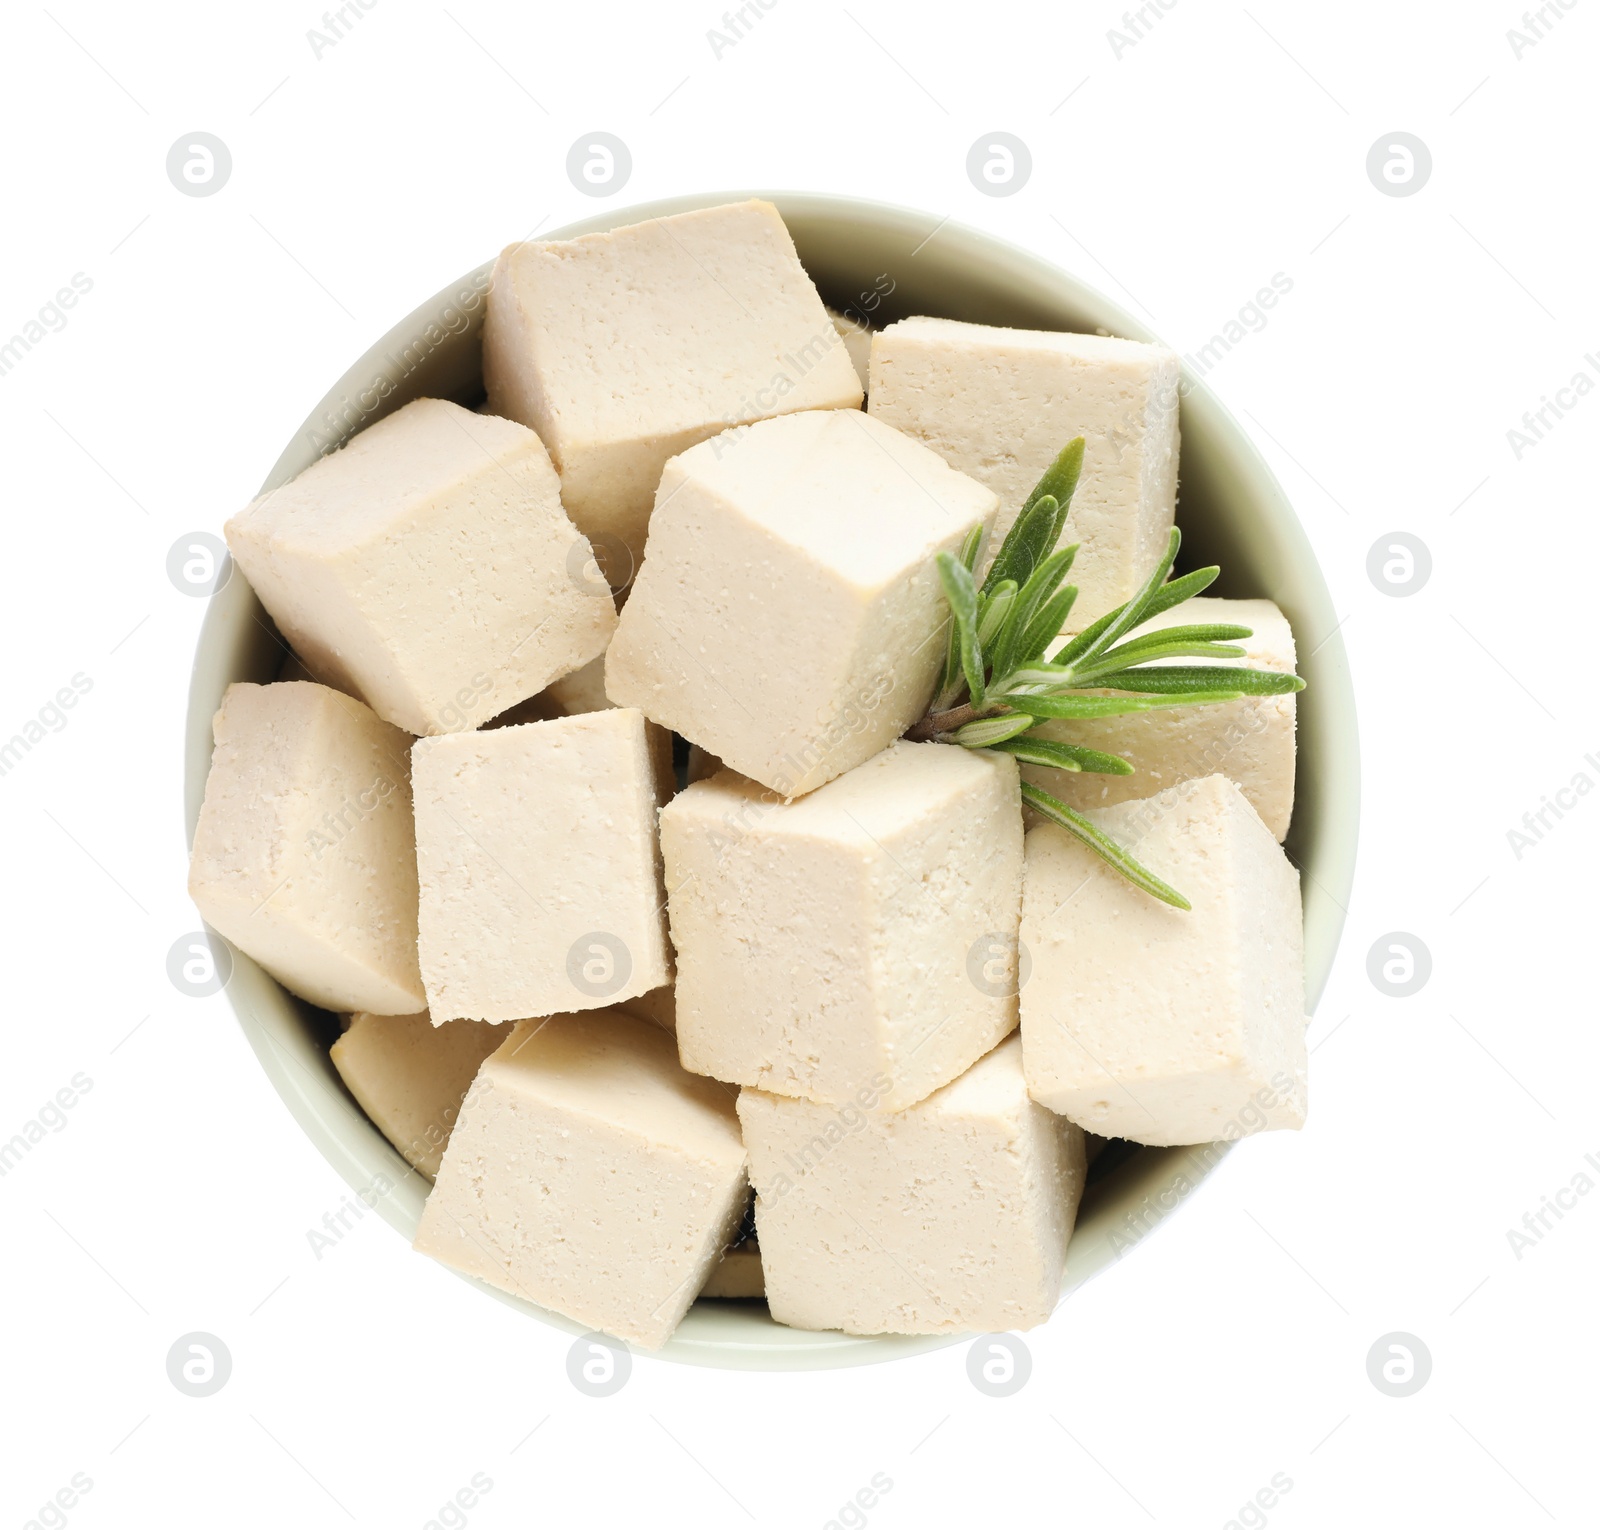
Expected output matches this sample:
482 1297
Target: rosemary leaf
1079 707
1197 683
1176 591
1080 644
1035 544
1045 627
1059 481
1025 544
962 594
1032 750
1201 632
1028 675
993 609
972 547
1121 659
1106 848
1139 609
992 732
1042 585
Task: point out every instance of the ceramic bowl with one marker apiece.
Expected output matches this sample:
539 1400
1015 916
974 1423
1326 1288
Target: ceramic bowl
884 262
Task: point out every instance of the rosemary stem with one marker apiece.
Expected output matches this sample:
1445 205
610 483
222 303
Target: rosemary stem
936 723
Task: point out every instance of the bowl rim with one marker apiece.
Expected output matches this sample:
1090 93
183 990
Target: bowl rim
237 638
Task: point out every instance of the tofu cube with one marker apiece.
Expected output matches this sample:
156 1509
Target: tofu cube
1150 1023
867 931
591 1175
999 404
410 1077
539 868
428 567
952 1216
304 854
1250 741
788 617
625 348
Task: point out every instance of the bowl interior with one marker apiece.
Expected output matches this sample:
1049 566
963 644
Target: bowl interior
880 263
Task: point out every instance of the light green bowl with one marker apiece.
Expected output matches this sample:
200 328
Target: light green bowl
1231 510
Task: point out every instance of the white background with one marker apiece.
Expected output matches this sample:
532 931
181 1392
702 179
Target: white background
1222 147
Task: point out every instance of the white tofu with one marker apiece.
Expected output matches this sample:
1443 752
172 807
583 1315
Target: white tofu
410 1077
951 1216
623 349
999 404
1154 1024
428 568
845 937
590 1174
539 868
857 343
1250 741
788 617
737 1276
304 855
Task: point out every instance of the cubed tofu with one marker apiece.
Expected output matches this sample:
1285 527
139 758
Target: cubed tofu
304 855
1151 1023
427 567
410 1076
1250 741
540 872
789 617
591 1175
623 349
999 404
867 931
951 1216
857 339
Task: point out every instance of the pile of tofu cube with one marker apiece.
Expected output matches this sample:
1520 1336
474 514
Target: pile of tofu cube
598 999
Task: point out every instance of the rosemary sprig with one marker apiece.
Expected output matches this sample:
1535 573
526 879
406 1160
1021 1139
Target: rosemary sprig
999 682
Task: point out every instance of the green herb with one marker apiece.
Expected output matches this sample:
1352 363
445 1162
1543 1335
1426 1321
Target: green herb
1000 681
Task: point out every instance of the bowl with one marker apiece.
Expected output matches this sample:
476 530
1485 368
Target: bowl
883 263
